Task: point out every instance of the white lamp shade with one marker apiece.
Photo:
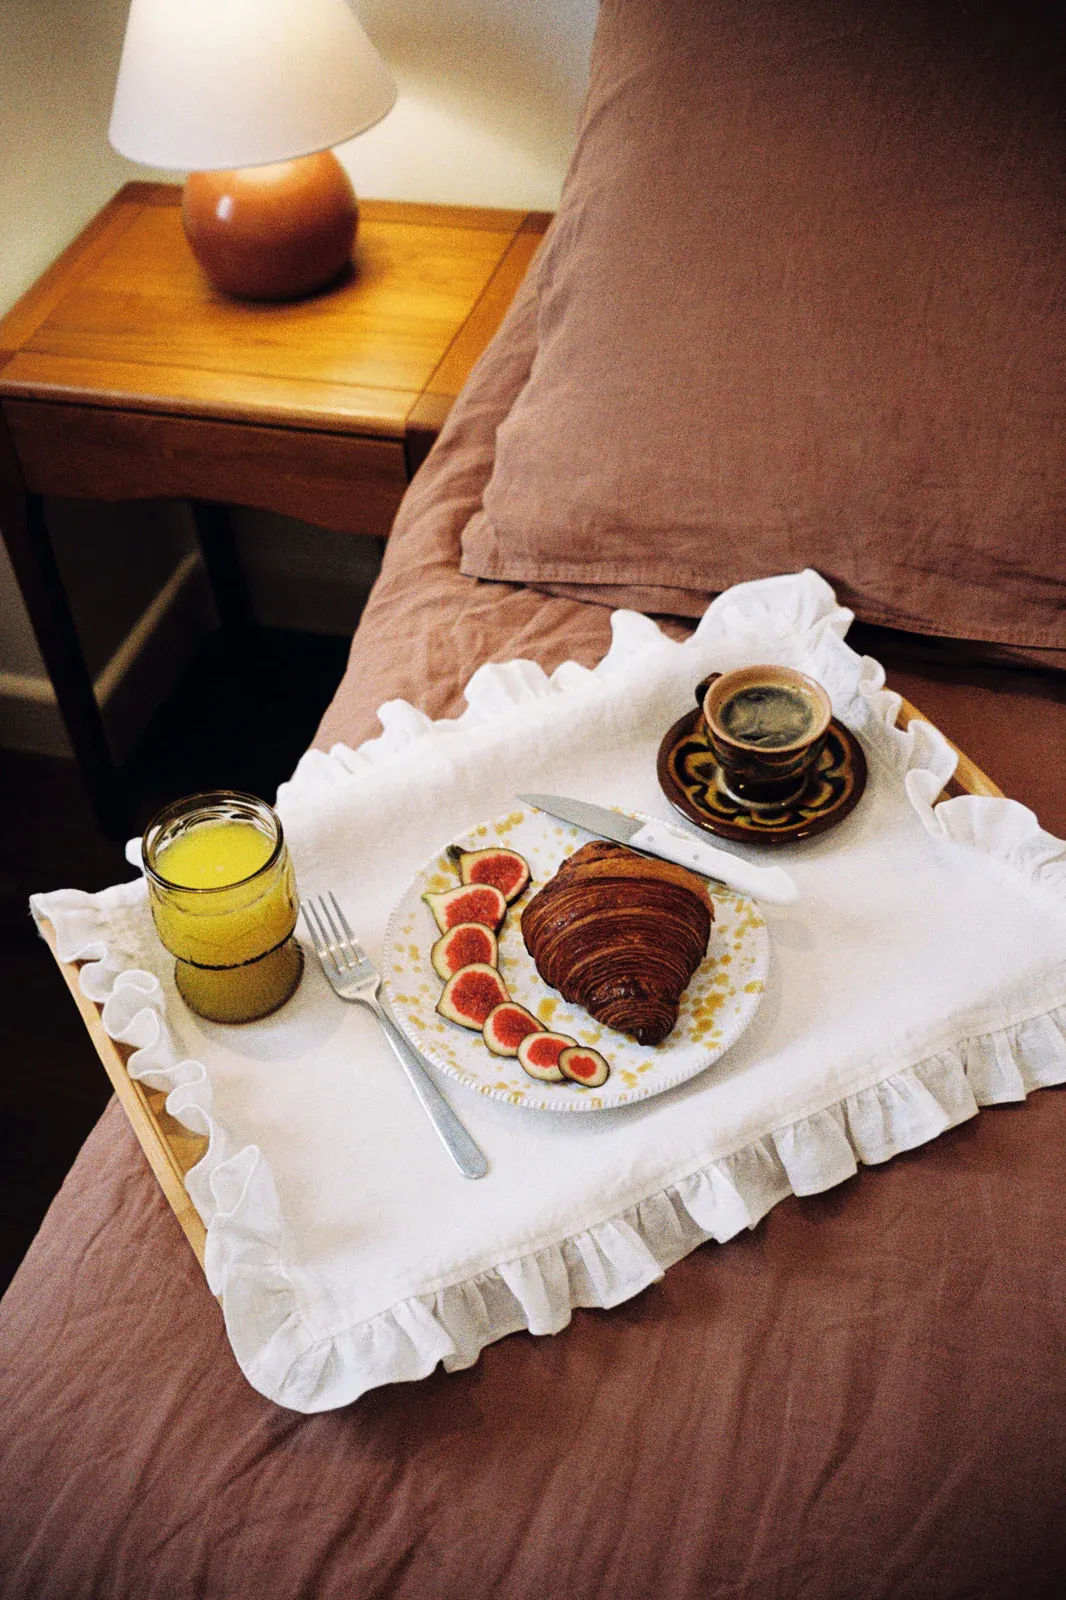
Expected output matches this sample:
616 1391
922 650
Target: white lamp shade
209 84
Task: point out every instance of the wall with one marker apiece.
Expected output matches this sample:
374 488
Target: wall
57 65
490 92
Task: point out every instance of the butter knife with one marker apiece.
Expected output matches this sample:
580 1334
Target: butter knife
670 843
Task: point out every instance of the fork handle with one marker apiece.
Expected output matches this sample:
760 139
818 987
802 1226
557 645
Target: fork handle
458 1143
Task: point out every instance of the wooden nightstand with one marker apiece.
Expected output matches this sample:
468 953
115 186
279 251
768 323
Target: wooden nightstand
124 375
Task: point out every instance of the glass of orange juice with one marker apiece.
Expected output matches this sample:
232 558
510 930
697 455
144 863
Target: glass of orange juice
223 898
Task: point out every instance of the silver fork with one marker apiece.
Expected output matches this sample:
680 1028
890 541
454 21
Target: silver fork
355 977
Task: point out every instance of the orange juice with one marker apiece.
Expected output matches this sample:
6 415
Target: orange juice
214 854
223 898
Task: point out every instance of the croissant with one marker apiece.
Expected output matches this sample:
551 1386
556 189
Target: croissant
620 935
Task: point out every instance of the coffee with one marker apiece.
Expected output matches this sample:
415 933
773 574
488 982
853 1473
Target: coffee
769 716
766 726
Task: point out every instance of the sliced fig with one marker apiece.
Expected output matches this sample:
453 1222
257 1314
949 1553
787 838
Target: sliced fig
462 946
506 1026
470 994
476 902
539 1055
583 1065
505 868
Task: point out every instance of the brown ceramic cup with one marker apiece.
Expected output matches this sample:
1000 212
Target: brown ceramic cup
766 726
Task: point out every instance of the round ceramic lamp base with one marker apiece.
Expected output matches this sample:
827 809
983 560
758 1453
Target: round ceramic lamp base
275 232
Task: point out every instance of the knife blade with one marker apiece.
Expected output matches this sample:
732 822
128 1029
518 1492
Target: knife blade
669 843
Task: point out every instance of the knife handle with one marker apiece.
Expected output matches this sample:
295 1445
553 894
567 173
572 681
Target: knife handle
772 884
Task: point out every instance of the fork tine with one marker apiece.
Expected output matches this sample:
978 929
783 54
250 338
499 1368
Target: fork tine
340 946
320 948
357 949
318 937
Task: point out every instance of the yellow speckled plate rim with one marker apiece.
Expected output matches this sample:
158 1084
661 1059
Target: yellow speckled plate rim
717 1006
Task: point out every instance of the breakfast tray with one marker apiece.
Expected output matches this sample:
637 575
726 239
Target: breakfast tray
171 1149
896 1009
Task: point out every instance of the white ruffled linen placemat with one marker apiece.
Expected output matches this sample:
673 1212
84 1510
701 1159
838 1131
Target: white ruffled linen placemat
921 975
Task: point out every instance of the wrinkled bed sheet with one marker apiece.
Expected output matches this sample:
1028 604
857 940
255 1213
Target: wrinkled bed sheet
863 1397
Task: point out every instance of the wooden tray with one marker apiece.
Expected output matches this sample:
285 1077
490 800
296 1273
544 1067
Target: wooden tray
171 1149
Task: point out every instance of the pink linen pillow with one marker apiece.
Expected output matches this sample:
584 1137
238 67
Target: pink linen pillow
803 306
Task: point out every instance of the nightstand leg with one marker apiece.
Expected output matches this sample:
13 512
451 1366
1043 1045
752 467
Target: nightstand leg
32 557
214 529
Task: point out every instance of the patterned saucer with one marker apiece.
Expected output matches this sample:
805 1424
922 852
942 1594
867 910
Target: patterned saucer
688 776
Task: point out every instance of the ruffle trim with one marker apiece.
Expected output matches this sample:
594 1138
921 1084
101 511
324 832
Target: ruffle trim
793 619
607 1264
600 1266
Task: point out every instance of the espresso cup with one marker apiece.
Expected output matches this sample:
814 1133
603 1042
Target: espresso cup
766 726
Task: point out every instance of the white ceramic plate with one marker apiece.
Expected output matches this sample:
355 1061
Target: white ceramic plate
717 1006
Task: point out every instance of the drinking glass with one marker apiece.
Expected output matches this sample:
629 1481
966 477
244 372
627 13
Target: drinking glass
223 898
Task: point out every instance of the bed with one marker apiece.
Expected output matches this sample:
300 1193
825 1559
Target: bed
866 1394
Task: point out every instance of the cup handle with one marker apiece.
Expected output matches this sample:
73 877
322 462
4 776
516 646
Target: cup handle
703 685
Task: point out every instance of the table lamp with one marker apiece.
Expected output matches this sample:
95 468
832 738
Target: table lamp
247 96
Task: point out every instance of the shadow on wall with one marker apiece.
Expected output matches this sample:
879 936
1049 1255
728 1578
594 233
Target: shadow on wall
506 73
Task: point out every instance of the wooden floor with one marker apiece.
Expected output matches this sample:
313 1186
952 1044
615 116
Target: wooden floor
225 726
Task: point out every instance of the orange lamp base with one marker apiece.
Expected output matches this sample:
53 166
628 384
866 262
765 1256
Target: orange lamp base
276 232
